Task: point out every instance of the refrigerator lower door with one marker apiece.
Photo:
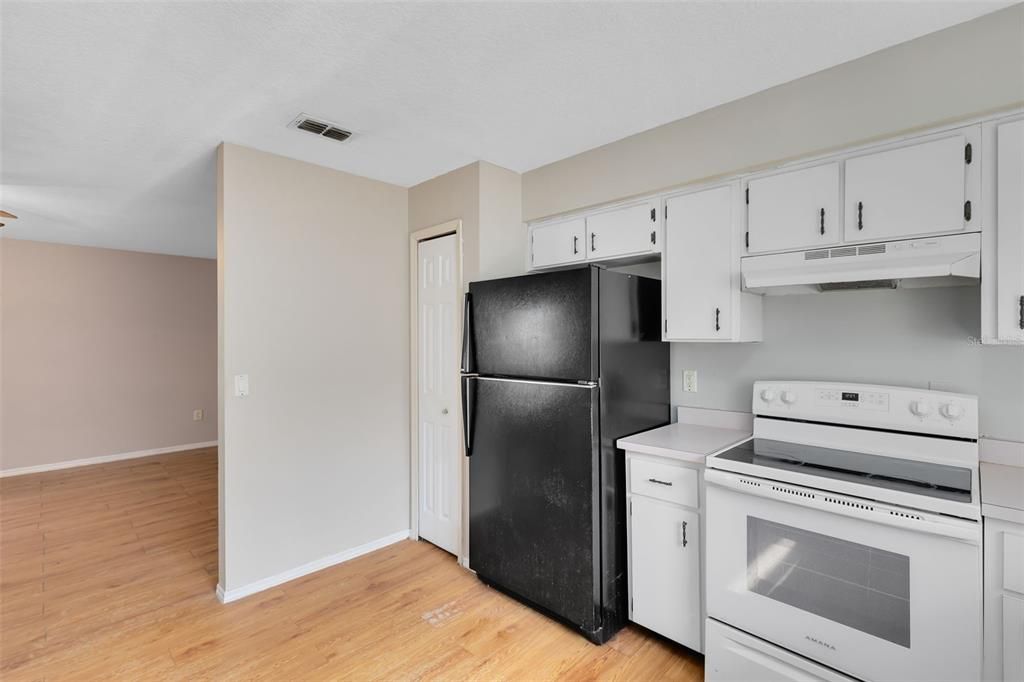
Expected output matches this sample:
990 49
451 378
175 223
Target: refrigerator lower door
533 521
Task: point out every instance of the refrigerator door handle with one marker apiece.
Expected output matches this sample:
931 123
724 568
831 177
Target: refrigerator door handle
467 415
467 335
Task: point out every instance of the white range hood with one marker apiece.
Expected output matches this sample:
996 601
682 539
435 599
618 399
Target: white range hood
931 261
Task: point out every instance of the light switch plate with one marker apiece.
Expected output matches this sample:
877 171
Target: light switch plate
241 385
197 415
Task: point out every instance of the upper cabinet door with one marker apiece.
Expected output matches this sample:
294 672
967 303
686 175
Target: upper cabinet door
798 209
558 243
698 269
1009 231
908 191
629 230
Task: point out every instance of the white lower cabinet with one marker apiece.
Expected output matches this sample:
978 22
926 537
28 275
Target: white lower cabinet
664 538
1004 601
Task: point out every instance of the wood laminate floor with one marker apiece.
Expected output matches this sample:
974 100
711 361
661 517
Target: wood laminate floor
109 571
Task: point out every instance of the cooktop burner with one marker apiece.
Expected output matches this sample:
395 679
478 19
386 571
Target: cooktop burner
923 478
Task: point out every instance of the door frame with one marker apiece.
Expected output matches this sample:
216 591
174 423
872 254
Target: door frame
442 230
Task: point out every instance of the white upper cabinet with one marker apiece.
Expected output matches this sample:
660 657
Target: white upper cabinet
558 243
798 209
1002 316
625 231
1010 231
700 269
912 190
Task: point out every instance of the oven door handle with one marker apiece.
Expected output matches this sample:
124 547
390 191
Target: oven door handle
960 530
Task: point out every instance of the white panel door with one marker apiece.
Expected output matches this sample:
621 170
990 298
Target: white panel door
798 209
914 190
698 280
1013 638
665 570
626 231
1010 231
439 400
558 243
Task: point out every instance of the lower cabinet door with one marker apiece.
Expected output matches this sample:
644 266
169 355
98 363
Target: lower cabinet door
665 570
1013 638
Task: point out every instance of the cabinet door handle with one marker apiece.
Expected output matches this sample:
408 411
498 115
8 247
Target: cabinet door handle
822 215
1021 314
575 244
593 247
682 534
718 315
860 215
654 237
660 482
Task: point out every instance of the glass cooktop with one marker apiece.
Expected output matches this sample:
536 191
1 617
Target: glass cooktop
922 478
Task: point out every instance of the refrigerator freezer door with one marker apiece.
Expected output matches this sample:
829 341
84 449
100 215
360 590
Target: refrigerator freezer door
533 526
541 326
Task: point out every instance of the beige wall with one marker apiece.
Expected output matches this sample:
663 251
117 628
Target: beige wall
314 286
452 196
488 200
502 233
964 70
104 352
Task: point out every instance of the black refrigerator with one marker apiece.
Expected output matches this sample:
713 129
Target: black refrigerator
556 367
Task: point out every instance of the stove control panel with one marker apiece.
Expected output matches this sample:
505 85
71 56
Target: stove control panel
888 407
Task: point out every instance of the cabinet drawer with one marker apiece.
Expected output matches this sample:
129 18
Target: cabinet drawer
664 481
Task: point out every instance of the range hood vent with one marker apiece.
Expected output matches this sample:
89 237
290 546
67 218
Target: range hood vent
320 128
932 261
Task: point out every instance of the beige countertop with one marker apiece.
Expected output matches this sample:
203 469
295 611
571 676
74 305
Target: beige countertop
690 443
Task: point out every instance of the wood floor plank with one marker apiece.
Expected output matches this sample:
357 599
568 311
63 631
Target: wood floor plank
108 572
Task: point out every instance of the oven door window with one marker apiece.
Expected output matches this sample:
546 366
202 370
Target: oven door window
859 586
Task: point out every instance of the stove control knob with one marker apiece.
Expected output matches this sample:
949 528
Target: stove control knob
952 411
921 408
788 397
768 395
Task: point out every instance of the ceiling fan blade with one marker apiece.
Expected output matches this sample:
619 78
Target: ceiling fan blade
5 214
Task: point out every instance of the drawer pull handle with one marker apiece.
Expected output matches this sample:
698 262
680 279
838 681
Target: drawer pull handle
654 480
682 533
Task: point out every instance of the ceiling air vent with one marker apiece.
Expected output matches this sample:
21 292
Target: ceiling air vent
320 128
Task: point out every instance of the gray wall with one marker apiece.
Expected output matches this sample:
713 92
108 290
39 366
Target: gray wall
907 337
925 338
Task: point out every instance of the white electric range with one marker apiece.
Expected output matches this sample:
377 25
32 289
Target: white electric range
844 539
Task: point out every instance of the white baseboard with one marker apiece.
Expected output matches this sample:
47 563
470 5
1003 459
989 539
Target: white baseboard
89 461
226 596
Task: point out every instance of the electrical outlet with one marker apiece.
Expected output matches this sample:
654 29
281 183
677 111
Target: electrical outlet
197 415
690 380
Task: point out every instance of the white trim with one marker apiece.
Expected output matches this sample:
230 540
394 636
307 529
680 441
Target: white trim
1006 452
89 461
226 596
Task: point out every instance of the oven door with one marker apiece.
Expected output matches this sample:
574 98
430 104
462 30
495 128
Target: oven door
875 591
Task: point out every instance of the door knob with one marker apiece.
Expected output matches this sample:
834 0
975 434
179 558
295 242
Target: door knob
444 410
